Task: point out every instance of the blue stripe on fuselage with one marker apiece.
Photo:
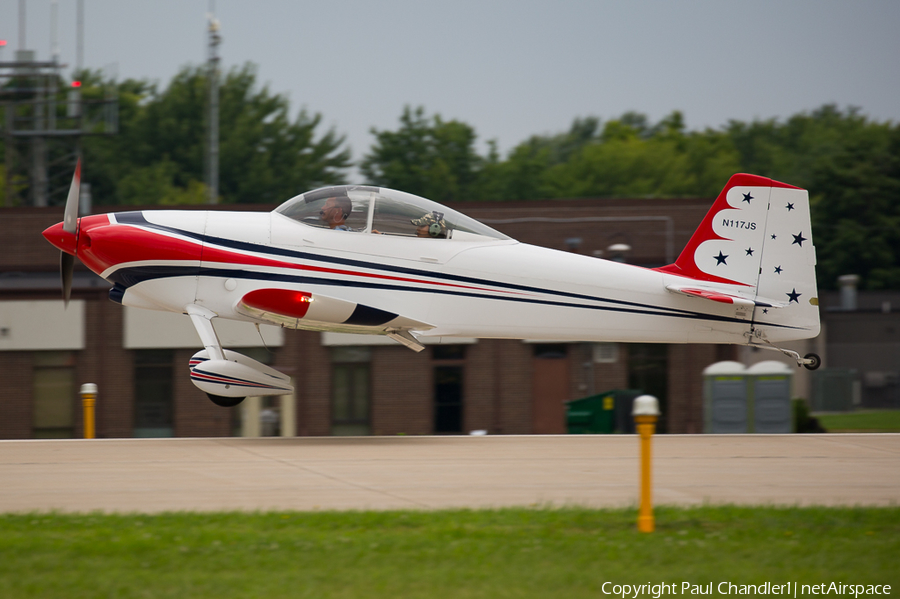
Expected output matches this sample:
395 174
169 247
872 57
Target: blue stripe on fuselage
137 274
138 218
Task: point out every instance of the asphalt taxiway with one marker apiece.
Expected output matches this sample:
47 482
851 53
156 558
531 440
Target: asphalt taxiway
153 475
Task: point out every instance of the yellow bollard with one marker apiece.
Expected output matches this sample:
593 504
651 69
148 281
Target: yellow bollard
646 413
88 402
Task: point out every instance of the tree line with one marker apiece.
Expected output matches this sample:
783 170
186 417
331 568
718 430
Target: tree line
849 163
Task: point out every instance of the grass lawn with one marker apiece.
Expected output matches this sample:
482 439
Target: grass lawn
876 421
566 553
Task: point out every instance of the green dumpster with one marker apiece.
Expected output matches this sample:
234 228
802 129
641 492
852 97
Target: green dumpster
594 414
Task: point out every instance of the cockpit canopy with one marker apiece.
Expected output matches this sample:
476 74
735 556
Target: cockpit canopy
364 209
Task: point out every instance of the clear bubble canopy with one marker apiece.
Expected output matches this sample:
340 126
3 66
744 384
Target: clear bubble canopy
366 209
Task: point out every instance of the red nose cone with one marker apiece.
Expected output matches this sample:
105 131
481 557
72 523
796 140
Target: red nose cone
62 240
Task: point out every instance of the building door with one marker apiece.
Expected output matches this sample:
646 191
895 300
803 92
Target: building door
350 415
448 399
550 389
153 389
54 395
449 362
350 391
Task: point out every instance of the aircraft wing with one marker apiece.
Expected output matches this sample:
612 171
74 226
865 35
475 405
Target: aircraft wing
725 297
314 311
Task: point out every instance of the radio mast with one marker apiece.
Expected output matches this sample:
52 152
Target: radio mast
212 76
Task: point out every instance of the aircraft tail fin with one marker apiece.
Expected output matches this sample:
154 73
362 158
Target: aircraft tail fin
757 240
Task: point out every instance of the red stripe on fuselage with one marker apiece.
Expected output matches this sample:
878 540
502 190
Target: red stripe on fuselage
102 247
215 255
114 245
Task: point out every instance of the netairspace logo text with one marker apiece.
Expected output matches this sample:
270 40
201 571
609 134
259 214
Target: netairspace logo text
788 589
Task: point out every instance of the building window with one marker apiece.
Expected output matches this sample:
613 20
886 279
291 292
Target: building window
448 388
54 395
153 388
350 399
448 352
605 353
550 351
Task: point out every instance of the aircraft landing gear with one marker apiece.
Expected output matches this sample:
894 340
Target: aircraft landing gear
224 402
811 361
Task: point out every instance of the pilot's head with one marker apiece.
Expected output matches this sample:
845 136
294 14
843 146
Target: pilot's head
336 210
430 225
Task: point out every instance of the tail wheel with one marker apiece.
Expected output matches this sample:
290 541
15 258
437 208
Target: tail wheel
224 402
816 361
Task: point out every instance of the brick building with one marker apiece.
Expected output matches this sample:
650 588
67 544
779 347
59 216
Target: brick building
344 384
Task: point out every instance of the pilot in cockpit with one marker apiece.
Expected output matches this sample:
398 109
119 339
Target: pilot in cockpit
431 225
335 212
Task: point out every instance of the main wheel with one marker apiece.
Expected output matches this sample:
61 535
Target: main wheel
225 402
817 361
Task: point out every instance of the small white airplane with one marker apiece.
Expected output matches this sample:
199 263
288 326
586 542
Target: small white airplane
362 259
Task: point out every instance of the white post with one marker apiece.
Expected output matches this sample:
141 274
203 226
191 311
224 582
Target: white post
250 408
289 415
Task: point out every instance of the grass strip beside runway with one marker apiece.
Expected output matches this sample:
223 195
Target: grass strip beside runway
537 552
878 421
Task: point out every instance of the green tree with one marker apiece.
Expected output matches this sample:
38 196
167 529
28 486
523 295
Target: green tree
794 150
851 167
627 158
856 209
265 156
155 184
425 156
523 175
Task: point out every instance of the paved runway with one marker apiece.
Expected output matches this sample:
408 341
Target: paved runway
152 475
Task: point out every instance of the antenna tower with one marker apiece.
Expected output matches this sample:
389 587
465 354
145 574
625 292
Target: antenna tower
43 119
212 155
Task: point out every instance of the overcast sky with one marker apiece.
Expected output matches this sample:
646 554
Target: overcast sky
509 68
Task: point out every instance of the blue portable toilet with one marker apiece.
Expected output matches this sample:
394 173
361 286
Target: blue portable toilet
725 398
770 404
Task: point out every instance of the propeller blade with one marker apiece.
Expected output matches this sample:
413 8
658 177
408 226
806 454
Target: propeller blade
66 269
70 219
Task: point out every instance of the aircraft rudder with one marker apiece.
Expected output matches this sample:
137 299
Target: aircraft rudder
788 266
